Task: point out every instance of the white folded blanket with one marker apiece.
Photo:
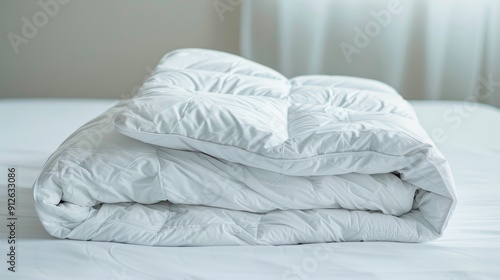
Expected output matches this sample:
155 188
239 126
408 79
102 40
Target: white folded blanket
218 150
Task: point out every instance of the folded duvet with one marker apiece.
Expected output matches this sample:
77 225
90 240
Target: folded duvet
218 150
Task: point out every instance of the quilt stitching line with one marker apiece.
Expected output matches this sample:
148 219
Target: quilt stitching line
183 111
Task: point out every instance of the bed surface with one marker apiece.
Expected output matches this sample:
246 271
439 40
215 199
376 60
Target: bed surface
31 129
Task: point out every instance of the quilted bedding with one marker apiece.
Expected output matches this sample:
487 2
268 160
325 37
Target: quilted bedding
218 150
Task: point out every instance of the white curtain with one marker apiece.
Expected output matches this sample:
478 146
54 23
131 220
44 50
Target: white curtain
426 49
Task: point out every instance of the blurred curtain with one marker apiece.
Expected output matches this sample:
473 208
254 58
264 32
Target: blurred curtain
426 49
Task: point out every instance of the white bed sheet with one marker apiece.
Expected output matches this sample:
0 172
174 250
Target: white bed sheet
31 129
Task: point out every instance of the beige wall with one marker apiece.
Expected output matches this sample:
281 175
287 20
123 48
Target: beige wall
102 48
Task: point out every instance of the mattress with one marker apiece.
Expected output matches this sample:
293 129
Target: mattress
469 249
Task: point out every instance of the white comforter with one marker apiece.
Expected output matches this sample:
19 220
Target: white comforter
218 150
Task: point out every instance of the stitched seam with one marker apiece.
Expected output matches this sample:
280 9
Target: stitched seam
183 111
